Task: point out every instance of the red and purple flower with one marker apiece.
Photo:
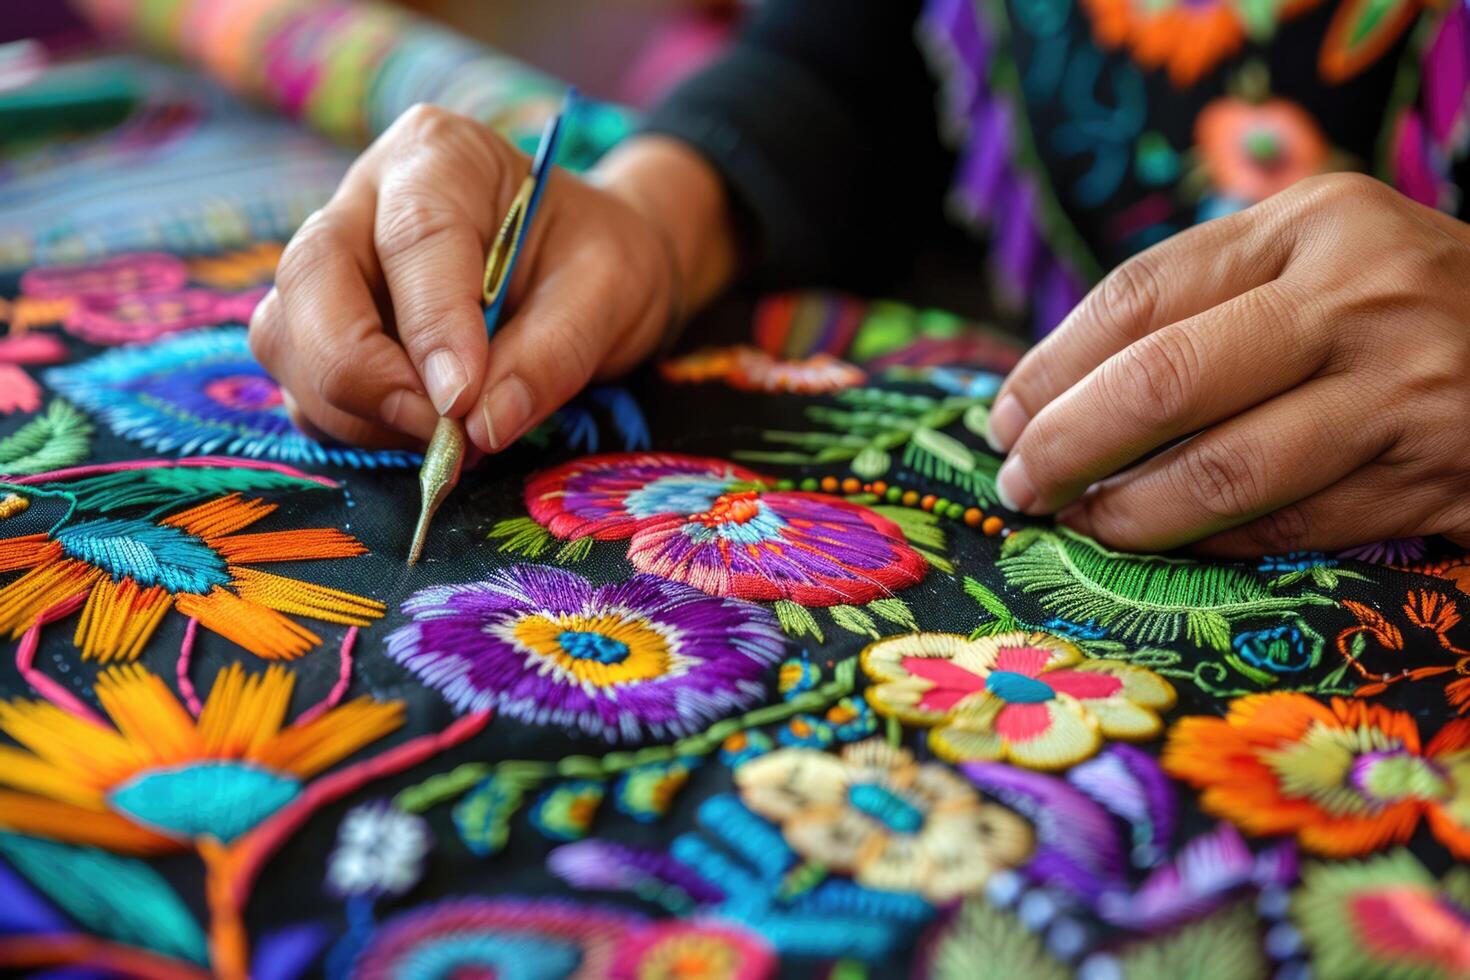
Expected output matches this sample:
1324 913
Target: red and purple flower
716 526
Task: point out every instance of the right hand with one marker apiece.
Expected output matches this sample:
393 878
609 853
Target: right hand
374 328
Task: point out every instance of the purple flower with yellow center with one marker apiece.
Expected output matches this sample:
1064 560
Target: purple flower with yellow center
544 645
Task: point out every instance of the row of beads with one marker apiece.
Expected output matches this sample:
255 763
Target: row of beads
972 516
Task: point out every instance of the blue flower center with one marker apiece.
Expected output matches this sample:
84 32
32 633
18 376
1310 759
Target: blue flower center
886 807
1017 688
582 645
150 554
221 799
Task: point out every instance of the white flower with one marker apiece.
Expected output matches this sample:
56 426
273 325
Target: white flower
380 851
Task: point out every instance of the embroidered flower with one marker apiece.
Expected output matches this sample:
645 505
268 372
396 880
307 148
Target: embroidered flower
18 393
201 392
693 950
1030 698
566 811
1286 649
132 570
1252 150
380 851
751 369
121 275
500 937
158 778
713 525
647 792
546 646
1187 37
1345 778
1386 916
888 821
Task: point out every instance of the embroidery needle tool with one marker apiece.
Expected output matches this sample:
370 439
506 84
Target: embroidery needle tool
445 455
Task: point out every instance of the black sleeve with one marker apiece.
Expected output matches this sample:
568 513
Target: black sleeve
822 120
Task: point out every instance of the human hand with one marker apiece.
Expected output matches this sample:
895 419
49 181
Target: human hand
374 328
1314 349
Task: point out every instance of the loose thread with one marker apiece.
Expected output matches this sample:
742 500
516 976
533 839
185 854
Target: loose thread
254 849
334 696
72 949
25 656
186 654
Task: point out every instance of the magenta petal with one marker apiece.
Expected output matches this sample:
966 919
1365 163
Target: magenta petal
1022 660
1023 722
1083 684
952 683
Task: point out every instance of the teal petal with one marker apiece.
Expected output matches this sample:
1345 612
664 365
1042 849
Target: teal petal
150 554
219 799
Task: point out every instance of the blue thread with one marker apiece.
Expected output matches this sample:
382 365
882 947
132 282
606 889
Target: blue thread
120 898
717 868
885 807
1018 688
1088 630
747 835
584 645
222 799
508 956
1295 561
627 416
1281 649
360 926
150 554
578 428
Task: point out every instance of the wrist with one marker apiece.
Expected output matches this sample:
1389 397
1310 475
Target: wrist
677 191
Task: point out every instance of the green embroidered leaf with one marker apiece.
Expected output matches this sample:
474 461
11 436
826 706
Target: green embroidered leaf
922 528
871 463
774 459
947 448
895 611
171 486
984 940
521 536
978 481
1142 598
797 621
977 420
120 898
939 562
1001 620
1224 946
854 620
61 436
574 551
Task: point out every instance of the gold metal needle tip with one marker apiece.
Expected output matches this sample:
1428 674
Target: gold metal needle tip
437 477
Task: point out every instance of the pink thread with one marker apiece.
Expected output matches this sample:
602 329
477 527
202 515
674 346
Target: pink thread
257 847
77 472
186 654
25 657
344 677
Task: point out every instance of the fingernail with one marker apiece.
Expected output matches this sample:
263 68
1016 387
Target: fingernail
1013 485
445 378
1007 419
507 410
392 405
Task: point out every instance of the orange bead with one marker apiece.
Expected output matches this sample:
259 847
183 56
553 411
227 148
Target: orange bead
879 487
910 498
829 484
973 516
851 485
928 502
992 526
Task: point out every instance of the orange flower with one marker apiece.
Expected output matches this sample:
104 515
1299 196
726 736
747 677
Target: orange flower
1345 778
1252 150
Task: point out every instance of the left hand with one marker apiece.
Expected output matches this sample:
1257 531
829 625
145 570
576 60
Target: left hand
1314 354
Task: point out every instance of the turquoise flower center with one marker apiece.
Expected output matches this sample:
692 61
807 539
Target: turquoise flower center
583 645
495 954
675 494
220 799
886 807
150 554
1017 688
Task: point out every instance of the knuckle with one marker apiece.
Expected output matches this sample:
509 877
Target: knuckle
1221 477
265 325
304 255
409 219
1286 529
1158 375
1129 295
337 379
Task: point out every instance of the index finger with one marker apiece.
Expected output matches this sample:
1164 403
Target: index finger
1184 275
